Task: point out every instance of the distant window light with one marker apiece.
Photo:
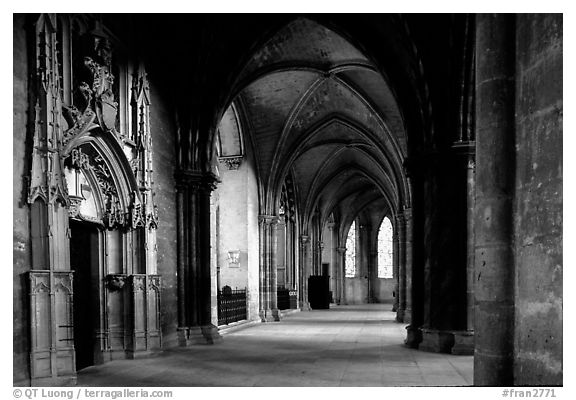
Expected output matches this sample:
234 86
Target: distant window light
350 264
385 249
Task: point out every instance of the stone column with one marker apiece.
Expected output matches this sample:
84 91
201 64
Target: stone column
273 269
263 294
304 272
268 268
494 268
333 269
364 248
464 339
320 250
401 293
194 274
342 271
408 265
372 273
290 256
470 242
395 267
413 335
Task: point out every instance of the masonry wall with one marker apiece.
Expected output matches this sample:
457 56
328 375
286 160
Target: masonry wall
237 217
21 222
252 229
356 290
538 205
383 290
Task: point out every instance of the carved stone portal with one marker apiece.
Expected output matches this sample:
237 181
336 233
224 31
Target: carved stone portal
111 165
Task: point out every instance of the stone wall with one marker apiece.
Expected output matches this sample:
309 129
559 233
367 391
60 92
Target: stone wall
233 220
21 222
538 204
356 290
383 290
237 204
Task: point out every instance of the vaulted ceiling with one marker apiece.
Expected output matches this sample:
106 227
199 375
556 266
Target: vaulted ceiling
317 108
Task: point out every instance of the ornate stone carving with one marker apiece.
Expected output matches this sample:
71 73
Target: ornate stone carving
79 122
46 178
74 210
152 218
114 216
63 282
79 159
135 165
137 217
142 165
232 163
267 219
138 283
95 103
115 282
234 258
105 106
154 283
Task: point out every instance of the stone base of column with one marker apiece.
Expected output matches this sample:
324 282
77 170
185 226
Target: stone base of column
268 316
436 341
407 317
211 334
463 343
182 335
134 355
394 307
207 334
413 337
276 314
400 315
305 306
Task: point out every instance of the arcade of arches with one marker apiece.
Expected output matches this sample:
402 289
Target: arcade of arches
167 166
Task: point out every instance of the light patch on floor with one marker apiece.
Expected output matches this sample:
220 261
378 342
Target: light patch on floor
357 345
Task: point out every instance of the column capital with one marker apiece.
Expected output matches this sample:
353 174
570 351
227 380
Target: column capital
268 219
304 239
320 244
231 162
196 180
341 250
466 149
407 213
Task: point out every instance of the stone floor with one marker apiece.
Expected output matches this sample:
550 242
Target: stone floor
343 346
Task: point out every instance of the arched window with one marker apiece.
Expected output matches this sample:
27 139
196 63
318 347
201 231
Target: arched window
351 252
385 249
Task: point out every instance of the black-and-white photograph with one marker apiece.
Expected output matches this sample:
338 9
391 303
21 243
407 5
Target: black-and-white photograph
287 200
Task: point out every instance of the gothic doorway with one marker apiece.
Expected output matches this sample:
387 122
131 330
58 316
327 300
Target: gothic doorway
84 261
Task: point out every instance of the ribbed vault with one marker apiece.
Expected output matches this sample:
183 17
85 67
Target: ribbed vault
317 108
